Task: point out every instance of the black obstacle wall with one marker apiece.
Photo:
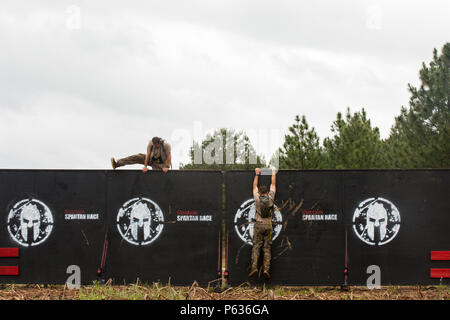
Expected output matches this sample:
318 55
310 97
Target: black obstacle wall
421 198
63 219
158 226
304 252
185 248
168 230
332 220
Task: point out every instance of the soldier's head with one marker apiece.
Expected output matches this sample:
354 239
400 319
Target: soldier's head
156 141
263 190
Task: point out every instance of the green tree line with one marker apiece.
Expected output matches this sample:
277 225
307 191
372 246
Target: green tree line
419 137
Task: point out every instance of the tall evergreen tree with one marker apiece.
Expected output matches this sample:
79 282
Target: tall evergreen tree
224 150
301 148
355 144
420 136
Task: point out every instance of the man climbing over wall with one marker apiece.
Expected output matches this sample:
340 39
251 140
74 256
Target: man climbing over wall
158 156
262 228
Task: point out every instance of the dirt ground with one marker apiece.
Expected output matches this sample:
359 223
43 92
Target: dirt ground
242 292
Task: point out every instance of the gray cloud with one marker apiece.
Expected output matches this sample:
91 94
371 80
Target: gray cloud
73 97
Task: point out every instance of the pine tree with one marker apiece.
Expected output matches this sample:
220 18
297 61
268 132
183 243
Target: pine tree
355 144
420 137
224 150
301 148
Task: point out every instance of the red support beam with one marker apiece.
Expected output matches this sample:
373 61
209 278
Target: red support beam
440 255
439 273
9 252
9 270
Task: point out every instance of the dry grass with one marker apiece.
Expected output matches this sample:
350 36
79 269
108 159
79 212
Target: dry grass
158 291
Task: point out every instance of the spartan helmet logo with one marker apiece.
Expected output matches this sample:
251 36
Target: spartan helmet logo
245 218
140 221
30 222
376 221
140 218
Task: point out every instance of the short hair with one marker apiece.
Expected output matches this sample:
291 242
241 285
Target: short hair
263 189
156 140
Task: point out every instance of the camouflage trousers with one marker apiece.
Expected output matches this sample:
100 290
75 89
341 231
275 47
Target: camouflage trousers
262 238
139 159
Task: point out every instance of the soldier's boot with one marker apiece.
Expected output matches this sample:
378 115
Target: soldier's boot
266 264
113 163
253 272
254 269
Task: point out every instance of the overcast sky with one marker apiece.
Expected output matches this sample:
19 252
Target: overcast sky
82 81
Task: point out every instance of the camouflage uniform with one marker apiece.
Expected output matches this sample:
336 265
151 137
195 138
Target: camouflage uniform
157 158
262 236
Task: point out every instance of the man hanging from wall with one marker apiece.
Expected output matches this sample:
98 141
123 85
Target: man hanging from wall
262 228
158 156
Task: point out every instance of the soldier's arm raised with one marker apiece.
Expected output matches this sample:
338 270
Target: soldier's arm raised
273 185
255 180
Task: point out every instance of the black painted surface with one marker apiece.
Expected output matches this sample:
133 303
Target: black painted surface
317 252
421 197
71 242
185 250
305 252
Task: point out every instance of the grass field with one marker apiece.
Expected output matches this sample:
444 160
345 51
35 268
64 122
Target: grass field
158 291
